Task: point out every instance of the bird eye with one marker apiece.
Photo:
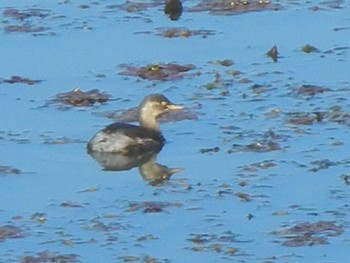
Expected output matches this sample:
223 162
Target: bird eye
164 103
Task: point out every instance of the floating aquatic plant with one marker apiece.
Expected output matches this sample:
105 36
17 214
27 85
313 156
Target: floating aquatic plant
158 71
228 7
308 48
309 234
78 98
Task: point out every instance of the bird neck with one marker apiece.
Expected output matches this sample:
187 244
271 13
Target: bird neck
148 120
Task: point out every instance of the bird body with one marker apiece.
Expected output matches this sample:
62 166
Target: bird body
126 138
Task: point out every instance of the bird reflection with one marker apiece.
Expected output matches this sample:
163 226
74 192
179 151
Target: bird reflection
173 9
146 162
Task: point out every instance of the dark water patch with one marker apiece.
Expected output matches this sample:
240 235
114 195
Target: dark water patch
17 137
159 71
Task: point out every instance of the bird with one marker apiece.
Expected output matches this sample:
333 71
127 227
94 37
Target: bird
124 138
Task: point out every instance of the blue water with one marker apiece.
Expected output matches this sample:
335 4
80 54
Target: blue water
67 56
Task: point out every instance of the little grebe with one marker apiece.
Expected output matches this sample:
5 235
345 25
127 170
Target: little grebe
126 138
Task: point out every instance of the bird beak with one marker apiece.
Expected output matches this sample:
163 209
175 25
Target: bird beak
174 107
